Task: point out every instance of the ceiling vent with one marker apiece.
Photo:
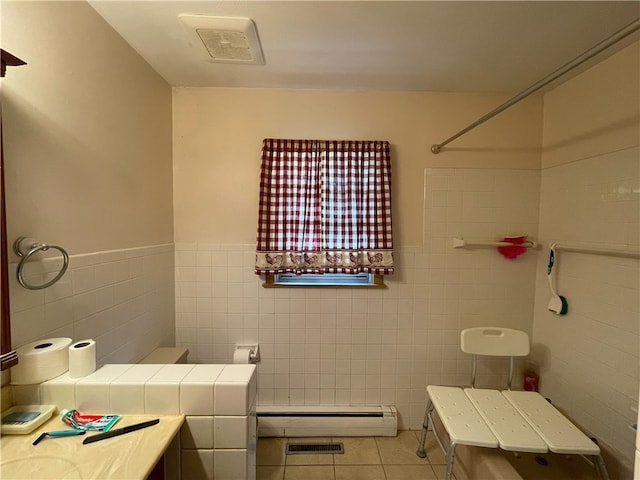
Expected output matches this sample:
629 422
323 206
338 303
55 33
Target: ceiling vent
225 39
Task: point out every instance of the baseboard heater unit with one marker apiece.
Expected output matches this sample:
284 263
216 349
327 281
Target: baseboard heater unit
327 421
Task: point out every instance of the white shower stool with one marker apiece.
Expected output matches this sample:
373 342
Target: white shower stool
513 421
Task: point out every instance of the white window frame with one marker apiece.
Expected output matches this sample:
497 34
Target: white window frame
359 280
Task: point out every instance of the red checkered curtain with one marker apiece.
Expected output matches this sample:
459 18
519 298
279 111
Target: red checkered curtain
325 207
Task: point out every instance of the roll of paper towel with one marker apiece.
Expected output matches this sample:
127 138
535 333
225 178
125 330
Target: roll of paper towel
82 358
41 361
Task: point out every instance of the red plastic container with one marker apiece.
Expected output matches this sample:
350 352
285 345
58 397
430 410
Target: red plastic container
531 381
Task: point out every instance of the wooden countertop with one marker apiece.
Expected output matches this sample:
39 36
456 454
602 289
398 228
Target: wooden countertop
124 457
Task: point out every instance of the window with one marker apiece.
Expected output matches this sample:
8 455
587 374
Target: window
324 280
325 208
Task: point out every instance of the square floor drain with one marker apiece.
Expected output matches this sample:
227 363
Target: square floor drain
310 448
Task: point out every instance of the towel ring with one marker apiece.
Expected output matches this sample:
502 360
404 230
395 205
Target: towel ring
31 246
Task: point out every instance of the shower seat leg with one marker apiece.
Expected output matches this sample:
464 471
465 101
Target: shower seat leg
601 468
425 427
449 458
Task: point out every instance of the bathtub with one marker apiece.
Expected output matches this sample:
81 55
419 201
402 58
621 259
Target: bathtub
474 463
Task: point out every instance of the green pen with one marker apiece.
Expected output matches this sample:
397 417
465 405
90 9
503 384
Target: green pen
58 433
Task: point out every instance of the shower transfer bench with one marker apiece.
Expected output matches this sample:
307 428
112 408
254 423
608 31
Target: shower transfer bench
512 420
517 421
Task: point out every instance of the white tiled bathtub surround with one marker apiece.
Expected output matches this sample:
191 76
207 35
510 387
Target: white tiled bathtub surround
209 446
368 347
123 299
594 349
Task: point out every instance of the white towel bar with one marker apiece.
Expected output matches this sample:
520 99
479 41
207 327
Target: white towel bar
462 243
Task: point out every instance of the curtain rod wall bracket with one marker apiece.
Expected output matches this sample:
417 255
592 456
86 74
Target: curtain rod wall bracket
580 59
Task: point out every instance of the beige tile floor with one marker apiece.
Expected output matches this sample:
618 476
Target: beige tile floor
364 458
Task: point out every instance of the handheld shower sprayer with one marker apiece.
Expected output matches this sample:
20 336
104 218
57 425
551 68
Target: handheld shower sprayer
558 304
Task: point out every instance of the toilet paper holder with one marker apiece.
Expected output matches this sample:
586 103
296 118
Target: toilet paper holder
254 351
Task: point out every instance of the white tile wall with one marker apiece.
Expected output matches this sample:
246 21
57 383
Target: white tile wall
59 391
235 390
231 431
196 390
197 463
127 392
123 299
197 433
590 358
162 391
231 464
93 391
172 463
363 347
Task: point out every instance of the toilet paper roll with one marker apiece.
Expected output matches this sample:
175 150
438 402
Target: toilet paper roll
241 355
82 358
41 361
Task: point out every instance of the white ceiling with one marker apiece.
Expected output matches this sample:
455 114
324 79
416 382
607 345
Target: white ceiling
494 46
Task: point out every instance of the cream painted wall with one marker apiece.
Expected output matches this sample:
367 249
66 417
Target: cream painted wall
88 166
87 133
590 195
218 135
594 113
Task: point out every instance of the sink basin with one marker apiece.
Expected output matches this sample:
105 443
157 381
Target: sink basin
37 467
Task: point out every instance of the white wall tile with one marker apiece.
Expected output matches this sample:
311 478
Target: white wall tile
59 391
197 464
231 464
196 390
162 391
231 432
597 370
26 395
231 398
93 294
92 391
127 392
197 432
172 468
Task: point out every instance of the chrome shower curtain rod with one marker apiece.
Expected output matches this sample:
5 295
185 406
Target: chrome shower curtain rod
593 51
